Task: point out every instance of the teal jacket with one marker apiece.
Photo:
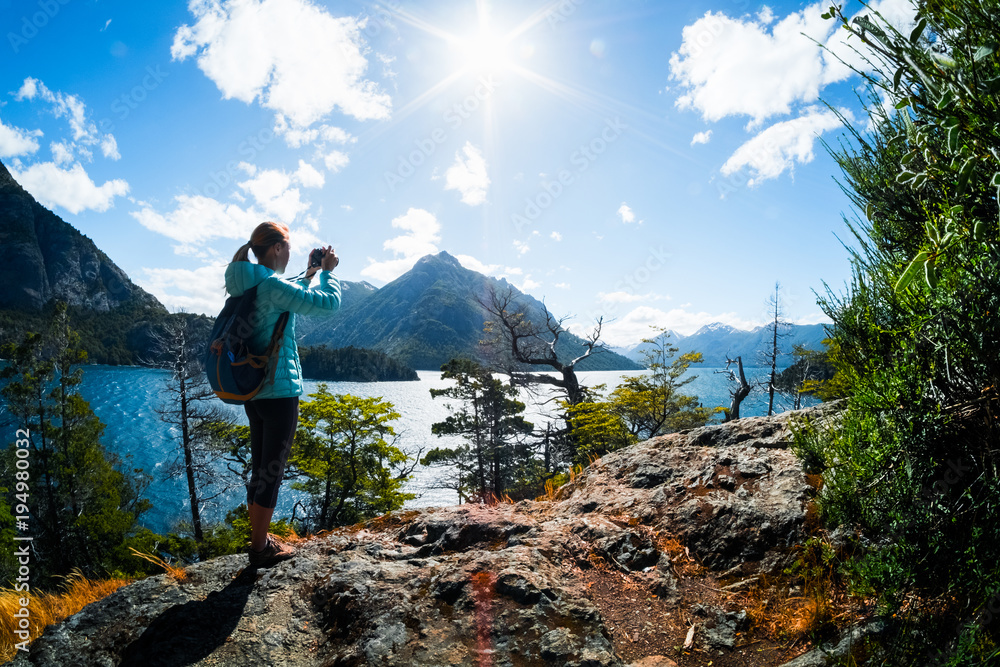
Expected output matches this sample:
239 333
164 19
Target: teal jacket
274 297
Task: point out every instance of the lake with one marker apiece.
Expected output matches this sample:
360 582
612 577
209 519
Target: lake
125 398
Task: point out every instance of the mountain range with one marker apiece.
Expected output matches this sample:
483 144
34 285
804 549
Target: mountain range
424 318
430 314
717 341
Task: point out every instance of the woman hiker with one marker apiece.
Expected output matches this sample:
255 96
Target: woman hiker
274 411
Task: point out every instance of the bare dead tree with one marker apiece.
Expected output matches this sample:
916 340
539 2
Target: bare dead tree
516 340
742 389
778 330
190 407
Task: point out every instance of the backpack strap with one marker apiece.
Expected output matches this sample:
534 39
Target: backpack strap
275 344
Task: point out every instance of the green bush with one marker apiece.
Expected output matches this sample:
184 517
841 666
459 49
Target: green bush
913 460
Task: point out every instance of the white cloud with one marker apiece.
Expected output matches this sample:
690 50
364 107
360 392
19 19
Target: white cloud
336 135
292 55
197 219
28 90
273 191
701 138
760 68
626 213
556 236
733 66
780 146
562 285
521 247
309 176
468 175
15 141
297 136
473 264
421 238
814 318
71 189
528 284
495 270
61 153
336 160
110 147
72 108
191 290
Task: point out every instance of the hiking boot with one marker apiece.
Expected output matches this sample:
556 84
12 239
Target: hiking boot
273 552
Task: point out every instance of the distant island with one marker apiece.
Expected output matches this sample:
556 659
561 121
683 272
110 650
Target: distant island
352 364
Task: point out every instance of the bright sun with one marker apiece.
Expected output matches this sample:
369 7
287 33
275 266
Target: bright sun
483 52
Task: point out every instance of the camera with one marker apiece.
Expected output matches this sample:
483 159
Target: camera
316 257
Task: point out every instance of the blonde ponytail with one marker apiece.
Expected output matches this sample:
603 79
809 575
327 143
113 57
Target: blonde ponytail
243 254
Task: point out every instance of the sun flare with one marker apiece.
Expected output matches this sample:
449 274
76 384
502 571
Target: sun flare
483 52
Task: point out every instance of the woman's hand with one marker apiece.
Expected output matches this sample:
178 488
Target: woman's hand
330 259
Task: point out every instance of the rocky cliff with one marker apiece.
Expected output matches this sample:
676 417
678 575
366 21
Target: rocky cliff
46 258
615 569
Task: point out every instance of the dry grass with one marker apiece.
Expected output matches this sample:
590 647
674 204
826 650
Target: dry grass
178 573
48 608
552 487
819 609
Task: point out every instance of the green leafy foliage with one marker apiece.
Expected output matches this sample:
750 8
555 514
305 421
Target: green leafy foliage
345 459
640 407
942 76
814 373
597 428
912 461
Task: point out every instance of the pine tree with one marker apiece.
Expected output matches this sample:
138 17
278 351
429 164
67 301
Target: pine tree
84 506
489 417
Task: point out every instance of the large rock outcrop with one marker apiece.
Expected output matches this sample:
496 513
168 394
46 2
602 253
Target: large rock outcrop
475 585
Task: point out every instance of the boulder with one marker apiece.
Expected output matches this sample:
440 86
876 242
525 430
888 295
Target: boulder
452 585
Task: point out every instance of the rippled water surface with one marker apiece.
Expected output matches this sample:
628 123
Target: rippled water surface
125 399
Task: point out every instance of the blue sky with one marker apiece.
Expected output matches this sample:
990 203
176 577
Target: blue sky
654 163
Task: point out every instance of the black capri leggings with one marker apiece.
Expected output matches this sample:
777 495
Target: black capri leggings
272 429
